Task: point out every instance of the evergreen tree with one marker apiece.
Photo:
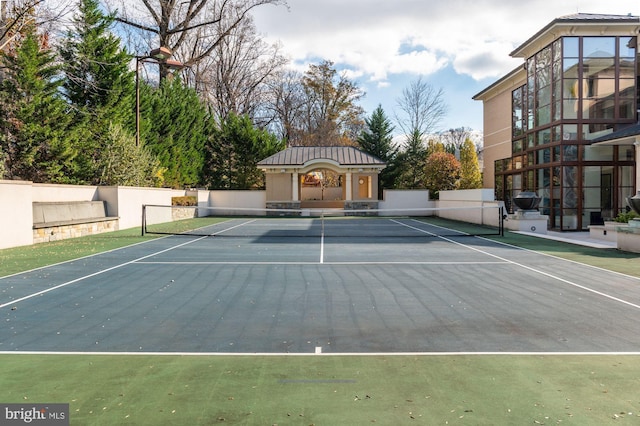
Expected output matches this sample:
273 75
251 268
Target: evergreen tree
175 126
34 123
235 151
377 140
99 84
413 160
470 175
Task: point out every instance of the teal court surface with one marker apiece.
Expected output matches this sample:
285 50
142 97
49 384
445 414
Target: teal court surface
356 286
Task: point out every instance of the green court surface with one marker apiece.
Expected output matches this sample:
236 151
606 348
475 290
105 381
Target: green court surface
328 389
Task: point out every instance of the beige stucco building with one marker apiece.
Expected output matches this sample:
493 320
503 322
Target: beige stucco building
564 124
322 177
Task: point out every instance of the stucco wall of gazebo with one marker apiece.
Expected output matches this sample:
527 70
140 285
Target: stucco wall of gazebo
358 174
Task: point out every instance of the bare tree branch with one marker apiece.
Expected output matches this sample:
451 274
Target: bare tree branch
422 106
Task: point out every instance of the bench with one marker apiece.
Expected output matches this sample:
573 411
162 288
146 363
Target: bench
54 221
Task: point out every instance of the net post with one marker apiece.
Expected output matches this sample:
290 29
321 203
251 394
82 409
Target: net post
501 220
144 219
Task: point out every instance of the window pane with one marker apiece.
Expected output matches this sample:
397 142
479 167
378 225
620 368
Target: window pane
570 132
544 96
544 156
570 152
543 115
625 153
627 177
628 47
570 88
543 77
570 47
517 162
592 131
599 68
570 109
627 108
570 67
598 109
591 178
544 137
627 88
599 87
517 145
627 68
598 153
598 47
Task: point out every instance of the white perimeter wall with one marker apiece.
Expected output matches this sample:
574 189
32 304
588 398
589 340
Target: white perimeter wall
16 214
464 205
17 197
406 202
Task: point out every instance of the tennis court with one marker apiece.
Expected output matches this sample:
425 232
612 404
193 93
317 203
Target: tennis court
304 286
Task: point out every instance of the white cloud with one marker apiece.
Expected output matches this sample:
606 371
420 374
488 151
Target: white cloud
461 45
377 36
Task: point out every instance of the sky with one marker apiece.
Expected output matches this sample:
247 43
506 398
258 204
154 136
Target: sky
459 46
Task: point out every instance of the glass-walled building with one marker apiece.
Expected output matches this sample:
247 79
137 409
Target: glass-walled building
579 86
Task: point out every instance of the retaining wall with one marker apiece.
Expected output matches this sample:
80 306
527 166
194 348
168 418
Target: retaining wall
125 203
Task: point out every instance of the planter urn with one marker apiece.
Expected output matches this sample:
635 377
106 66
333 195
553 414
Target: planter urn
528 201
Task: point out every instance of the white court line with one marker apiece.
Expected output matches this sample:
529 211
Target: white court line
537 271
315 354
39 293
324 263
83 257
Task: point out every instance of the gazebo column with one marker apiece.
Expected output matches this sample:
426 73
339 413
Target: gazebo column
349 183
295 186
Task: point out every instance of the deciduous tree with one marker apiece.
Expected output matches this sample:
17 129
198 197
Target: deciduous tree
422 107
331 115
192 29
442 172
470 175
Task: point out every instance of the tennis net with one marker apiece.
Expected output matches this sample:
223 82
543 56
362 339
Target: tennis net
338 223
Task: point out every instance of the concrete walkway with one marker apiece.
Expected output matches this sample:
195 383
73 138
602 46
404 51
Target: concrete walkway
580 238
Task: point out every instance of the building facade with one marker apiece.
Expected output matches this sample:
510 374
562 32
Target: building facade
565 123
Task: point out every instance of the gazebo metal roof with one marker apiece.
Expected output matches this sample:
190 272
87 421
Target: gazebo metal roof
301 155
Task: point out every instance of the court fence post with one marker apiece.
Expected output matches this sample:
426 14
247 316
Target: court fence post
144 219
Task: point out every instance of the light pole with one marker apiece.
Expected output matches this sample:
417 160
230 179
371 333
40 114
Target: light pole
160 56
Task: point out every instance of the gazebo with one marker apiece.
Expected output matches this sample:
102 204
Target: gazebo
322 177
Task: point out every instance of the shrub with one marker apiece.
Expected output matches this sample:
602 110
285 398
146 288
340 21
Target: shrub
189 200
625 217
